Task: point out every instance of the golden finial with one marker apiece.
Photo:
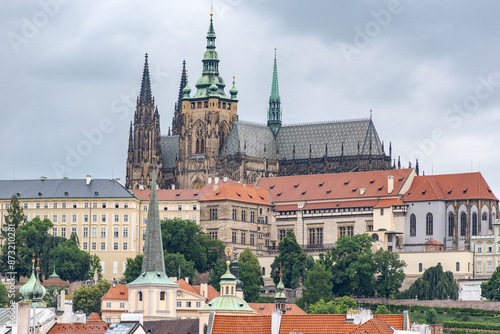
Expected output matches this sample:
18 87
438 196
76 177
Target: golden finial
274 52
212 9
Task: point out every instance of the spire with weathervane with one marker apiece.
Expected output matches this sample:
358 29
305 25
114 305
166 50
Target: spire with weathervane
274 111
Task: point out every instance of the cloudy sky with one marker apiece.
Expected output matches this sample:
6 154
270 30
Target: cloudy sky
70 73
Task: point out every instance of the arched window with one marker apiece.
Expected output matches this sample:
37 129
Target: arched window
451 224
413 225
429 224
139 296
420 267
232 290
162 295
474 223
375 236
485 216
227 290
463 224
458 266
263 271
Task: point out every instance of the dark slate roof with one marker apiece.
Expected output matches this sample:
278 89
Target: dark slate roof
169 150
256 136
318 135
63 188
183 326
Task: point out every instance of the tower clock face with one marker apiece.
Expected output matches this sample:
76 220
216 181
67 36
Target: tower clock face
200 132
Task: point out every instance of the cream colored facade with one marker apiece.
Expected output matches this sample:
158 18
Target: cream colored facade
154 301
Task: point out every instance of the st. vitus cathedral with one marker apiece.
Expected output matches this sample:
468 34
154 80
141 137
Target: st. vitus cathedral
208 140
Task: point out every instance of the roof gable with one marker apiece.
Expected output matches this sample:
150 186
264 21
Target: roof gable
239 193
117 291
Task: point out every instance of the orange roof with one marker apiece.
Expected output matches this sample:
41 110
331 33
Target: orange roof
94 317
239 193
315 323
433 242
251 324
395 320
341 204
267 308
334 186
449 187
55 282
388 202
373 326
185 286
79 328
211 292
169 194
116 291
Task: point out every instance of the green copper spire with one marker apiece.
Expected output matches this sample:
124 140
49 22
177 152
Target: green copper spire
186 91
280 297
210 68
274 111
233 91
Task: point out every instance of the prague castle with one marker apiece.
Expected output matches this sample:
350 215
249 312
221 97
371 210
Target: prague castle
208 139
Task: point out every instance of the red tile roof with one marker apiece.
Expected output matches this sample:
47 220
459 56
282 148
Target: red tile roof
388 202
55 282
239 193
395 320
373 326
211 292
267 308
250 324
433 242
169 194
185 286
94 317
117 291
449 187
79 328
334 186
315 323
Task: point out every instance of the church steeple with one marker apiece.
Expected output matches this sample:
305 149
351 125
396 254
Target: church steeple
145 97
177 120
274 111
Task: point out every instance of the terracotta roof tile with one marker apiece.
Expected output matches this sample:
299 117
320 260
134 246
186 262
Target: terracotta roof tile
267 308
185 286
94 317
79 328
55 282
251 324
334 186
117 291
449 187
169 194
239 193
395 320
315 323
373 326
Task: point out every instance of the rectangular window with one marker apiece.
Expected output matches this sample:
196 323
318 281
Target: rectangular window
94 232
144 208
45 217
479 268
94 218
94 246
86 218
63 232
26 206
64 205
125 218
252 216
94 205
103 246
122 305
117 205
37 205
165 208
315 236
233 237
243 238
108 304
145 220
281 234
179 304
195 207
235 214
54 205
45 206
115 267
54 218
104 205
73 219
116 232
73 230
86 205
179 207
103 232
125 246
125 205
117 218
252 239
74 205
125 232
85 247
490 249
213 213
85 232
188 304
54 231
194 219
243 215
115 246
198 304
63 218
124 266
103 218
213 234
489 267
479 249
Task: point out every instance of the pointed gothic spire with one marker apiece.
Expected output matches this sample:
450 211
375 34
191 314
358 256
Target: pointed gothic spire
177 119
130 139
153 247
274 111
145 97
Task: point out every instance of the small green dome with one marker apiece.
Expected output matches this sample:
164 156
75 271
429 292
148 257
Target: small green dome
33 291
186 91
227 303
26 290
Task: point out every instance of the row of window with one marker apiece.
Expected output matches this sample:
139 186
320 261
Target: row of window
188 304
204 104
180 207
429 224
243 238
64 205
108 305
93 246
74 218
116 231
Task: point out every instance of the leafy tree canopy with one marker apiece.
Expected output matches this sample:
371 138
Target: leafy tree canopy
218 270
434 284
389 273
14 217
250 275
318 284
71 262
491 288
133 269
88 299
338 306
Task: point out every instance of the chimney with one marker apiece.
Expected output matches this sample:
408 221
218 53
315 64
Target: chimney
141 187
204 290
362 191
187 280
216 181
390 183
173 186
209 180
89 179
275 321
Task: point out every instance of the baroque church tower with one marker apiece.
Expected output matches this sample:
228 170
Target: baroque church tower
206 120
144 145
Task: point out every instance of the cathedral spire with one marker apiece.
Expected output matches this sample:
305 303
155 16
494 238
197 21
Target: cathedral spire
177 120
274 111
130 140
145 97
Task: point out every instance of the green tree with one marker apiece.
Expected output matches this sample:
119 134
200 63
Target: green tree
214 249
382 309
4 296
175 261
352 266
338 306
430 316
250 275
491 288
318 284
88 299
14 217
71 262
218 270
133 269
389 273
434 284
293 261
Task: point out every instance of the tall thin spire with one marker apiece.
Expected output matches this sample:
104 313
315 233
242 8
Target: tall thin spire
274 111
153 247
177 119
145 97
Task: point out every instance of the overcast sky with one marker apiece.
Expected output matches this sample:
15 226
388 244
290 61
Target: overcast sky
71 70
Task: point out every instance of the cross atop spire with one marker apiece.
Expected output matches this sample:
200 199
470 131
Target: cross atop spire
145 97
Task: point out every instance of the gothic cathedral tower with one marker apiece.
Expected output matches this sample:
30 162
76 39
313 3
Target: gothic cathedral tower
207 119
144 144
